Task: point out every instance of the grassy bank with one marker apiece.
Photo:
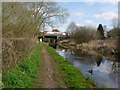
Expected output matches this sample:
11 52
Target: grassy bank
72 76
24 75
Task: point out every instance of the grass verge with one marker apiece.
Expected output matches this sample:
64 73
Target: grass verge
24 75
72 76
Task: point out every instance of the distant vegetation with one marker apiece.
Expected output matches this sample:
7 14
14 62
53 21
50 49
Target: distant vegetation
100 32
81 33
55 30
114 33
84 34
99 39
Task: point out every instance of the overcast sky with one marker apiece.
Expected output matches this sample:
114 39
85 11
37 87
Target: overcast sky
90 13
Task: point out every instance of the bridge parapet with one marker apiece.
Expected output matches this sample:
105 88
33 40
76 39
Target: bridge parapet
56 33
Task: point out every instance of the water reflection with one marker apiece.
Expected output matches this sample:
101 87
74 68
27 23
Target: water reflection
102 70
99 60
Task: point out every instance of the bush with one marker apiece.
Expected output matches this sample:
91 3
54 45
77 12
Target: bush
83 34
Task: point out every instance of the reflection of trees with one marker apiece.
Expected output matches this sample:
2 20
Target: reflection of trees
115 67
84 57
70 51
81 54
114 71
65 50
99 60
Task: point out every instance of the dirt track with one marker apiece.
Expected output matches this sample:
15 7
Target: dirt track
49 75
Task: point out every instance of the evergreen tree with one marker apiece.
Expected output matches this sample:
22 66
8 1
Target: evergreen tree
55 30
100 32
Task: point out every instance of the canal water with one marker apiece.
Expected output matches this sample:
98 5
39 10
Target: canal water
102 70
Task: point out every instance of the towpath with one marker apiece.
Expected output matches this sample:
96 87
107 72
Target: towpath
49 75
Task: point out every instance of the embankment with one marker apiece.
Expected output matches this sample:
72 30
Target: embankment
25 74
105 47
15 51
102 46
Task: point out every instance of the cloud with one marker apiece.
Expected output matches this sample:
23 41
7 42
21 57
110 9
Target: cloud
68 20
79 15
105 69
106 16
90 22
90 2
79 24
110 6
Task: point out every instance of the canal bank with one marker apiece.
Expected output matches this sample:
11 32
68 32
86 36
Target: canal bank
105 47
102 70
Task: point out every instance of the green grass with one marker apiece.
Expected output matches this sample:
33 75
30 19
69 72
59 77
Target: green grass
24 75
72 76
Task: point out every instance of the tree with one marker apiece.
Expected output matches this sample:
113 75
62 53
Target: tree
50 14
100 32
114 33
71 28
80 34
26 19
83 34
115 22
55 30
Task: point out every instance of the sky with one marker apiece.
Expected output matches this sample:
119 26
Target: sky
89 13
85 12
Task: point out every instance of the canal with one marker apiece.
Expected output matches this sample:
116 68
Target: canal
103 70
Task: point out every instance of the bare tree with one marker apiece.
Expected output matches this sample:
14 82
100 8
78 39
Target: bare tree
81 33
21 19
84 34
49 14
115 31
71 29
115 22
